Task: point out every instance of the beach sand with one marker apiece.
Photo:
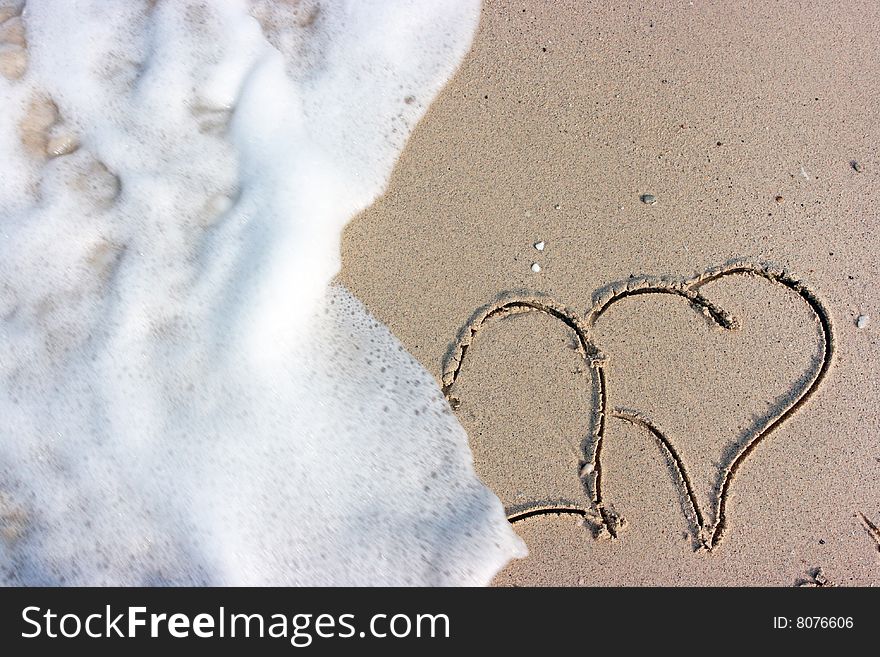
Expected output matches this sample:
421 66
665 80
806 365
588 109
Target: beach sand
755 127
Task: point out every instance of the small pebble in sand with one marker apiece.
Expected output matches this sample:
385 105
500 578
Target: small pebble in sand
862 321
649 199
536 267
539 245
856 166
557 207
780 199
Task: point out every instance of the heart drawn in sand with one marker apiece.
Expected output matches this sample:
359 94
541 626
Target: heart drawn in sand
709 518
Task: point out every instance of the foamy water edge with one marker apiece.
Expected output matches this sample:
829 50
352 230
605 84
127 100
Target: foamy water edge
185 400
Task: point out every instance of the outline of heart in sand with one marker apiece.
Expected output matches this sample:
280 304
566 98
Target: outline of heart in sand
599 515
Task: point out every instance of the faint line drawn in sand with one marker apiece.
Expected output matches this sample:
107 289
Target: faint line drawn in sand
817 580
872 529
599 514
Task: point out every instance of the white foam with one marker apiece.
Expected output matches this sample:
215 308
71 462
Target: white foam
183 398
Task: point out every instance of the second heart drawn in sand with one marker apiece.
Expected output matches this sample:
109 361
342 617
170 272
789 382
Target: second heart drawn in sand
709 524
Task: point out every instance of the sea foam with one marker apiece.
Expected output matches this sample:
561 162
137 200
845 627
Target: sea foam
185 398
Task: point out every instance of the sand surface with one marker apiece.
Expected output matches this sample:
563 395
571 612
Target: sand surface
755 127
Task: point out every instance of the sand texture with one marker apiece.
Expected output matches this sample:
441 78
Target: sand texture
685 392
